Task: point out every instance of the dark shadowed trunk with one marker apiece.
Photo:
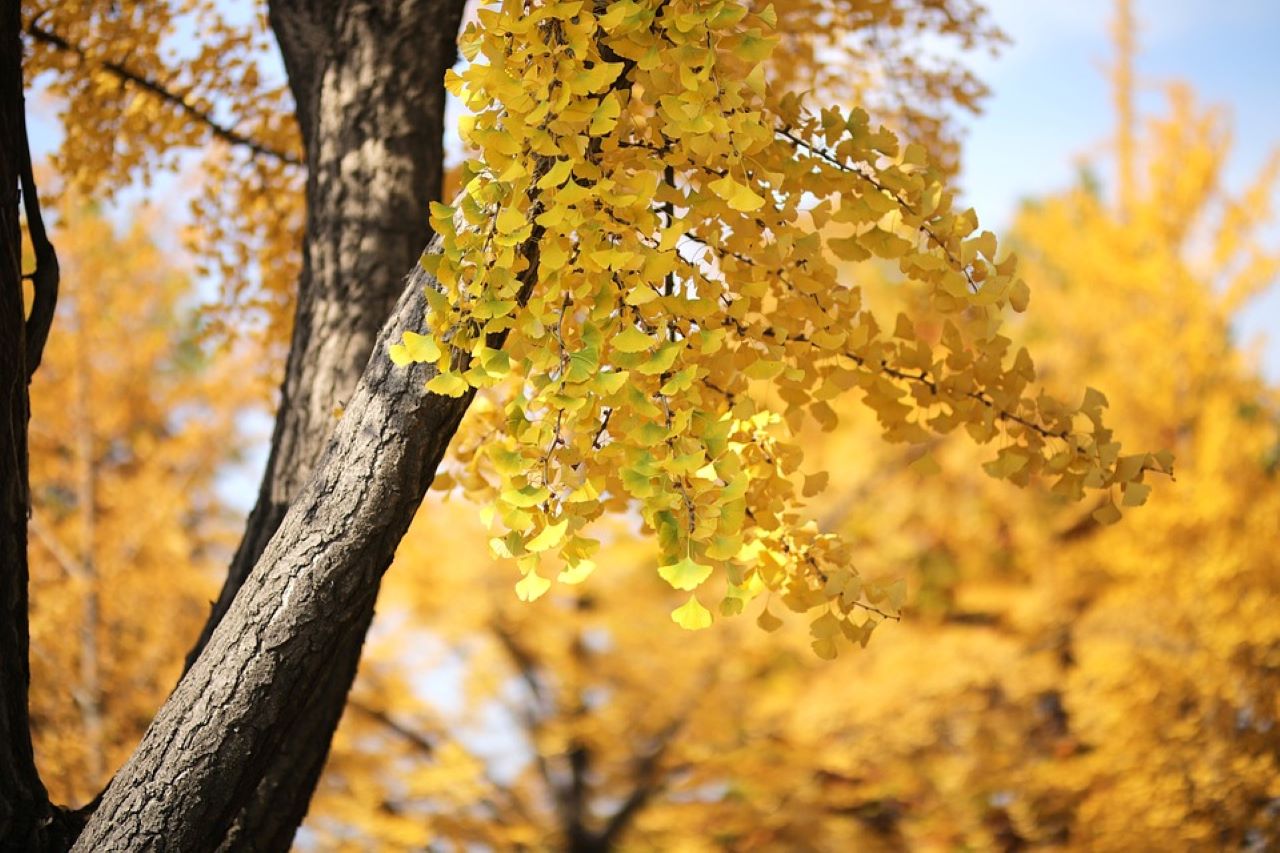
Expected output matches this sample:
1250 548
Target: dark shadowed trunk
27 820
367 78
23 803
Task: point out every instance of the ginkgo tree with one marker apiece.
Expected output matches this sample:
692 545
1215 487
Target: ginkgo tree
633 260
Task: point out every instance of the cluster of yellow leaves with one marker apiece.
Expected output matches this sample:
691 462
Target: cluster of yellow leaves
136 95
1060 683
1069 684
131 426
661 238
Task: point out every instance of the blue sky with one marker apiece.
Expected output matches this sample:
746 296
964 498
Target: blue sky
1050 105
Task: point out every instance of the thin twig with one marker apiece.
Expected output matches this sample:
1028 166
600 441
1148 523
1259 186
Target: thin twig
45 277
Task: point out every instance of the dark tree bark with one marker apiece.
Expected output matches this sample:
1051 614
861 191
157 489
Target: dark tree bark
205 753
23 802
367 78
27 820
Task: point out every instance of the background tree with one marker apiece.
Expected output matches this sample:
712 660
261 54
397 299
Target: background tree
127 524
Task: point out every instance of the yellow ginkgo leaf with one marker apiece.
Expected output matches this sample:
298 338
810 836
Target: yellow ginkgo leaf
414 348
632 340
511 220
739 196
815 483
532 586
691 615
577 573
556 175
1135 494
606 115
825 648
685 574
448 385
767 621
549 537
1108 513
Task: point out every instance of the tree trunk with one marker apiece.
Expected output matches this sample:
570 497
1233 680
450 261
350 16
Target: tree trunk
27 820
23 802
204 755
368 84
367 78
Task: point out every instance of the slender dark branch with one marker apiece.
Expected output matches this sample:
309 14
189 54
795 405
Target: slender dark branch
539 703
45 277
648 767
579 753
174 99
604 425
425 745
524 663
414 738
884 368
70 566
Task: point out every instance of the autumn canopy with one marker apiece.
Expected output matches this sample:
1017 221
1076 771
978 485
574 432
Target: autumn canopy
711 373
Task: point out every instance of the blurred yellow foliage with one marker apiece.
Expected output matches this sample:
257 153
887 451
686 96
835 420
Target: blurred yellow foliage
132 422
1056 683
140 89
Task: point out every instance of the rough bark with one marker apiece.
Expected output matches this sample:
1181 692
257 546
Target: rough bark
27 820
273 814
367 79
204 755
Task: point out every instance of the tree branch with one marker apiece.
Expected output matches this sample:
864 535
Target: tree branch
526 667
69 564
46 276
174 99
648 782
415 738
427 747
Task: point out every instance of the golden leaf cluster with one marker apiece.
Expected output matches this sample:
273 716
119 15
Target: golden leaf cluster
1058 682
667 245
